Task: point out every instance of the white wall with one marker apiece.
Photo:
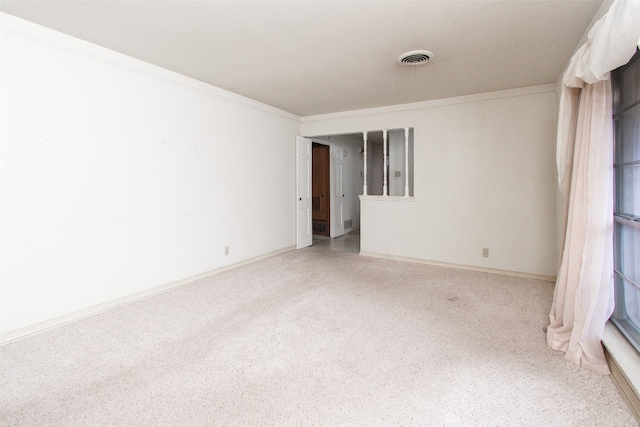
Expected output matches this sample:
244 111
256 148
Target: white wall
484 177
119 177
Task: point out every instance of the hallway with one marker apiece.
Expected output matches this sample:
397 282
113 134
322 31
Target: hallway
347 243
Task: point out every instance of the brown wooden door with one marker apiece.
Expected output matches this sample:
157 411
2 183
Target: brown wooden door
320 189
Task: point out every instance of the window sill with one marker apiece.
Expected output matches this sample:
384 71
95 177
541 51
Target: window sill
626 360
386 198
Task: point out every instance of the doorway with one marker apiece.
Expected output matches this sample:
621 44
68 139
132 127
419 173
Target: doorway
329 166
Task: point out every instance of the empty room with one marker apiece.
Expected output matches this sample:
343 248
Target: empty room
292 213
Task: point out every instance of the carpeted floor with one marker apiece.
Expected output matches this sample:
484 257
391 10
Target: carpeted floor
319 336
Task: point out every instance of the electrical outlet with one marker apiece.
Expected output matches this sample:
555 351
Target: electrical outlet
485 252
226 250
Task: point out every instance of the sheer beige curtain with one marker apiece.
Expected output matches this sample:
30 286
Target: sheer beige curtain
583 299
583 296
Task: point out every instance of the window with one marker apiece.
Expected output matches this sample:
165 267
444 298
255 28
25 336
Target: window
626 116
389 162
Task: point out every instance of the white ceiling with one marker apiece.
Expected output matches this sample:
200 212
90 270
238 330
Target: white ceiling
314 57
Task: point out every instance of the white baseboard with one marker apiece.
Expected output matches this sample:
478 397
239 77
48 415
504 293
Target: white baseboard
463 267
100 308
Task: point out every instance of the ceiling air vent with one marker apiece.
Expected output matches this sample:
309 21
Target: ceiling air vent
415 57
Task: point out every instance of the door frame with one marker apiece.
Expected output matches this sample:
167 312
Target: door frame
333 230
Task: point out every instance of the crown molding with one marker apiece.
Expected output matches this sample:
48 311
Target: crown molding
423 105
35 33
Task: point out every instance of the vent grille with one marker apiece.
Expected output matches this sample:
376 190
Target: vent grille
415 57
319 227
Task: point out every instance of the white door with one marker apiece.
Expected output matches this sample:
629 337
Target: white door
337 193
304 234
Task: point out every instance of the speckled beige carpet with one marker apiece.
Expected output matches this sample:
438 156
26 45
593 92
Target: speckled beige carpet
311 337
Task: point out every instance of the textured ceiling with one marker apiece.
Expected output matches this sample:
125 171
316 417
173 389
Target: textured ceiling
314 57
